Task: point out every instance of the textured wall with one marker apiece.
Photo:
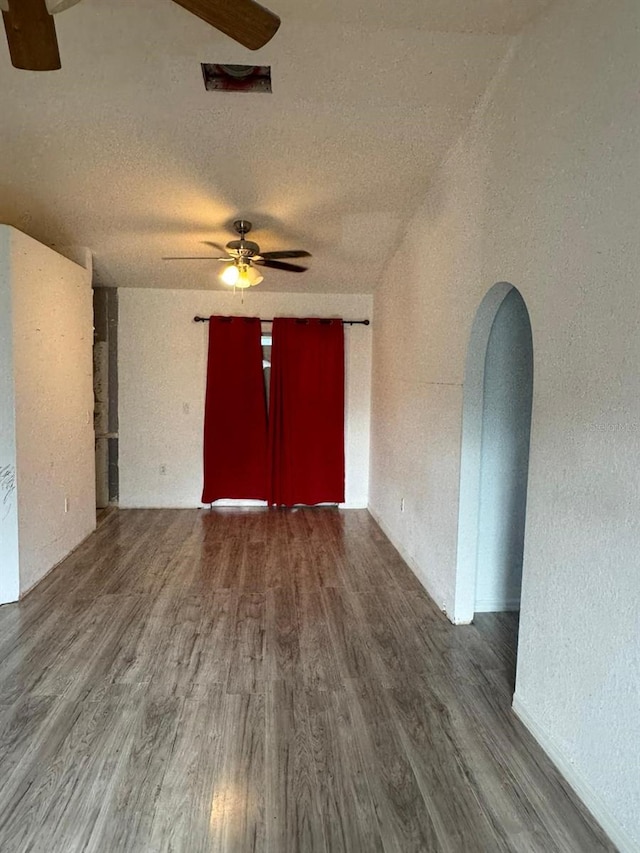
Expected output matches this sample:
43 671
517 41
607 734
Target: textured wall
9 558
52 366
162 368
424 310
543 192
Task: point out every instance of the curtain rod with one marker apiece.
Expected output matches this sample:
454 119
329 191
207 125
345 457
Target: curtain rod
198 319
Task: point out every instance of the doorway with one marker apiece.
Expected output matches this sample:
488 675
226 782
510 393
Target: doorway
495 456
105 389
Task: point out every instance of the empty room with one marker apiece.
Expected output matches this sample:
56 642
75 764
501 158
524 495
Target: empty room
319 426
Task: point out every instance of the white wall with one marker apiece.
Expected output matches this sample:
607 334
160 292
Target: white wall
51 340
504 458
162 375
9 560
542 191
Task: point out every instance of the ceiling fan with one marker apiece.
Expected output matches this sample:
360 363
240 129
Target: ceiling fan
244 255
33 44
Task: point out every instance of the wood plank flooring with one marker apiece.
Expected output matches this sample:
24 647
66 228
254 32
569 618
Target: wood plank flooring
270 681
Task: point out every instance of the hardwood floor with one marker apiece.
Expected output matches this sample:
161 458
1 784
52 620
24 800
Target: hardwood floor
263 681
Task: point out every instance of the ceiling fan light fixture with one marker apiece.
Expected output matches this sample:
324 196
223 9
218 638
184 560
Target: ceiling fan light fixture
230 275
241 275
252 276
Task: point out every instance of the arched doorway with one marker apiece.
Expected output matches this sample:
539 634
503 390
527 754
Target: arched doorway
495 455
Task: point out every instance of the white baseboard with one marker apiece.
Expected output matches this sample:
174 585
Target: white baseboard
238 502
226 502
127 504
357 504
497 605
583 789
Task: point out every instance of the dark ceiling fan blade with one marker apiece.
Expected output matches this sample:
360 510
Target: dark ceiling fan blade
31 35
279 265
286 253
216 246
192 258
244 21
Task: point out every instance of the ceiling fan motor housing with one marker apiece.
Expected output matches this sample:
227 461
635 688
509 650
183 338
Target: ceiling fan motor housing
243 248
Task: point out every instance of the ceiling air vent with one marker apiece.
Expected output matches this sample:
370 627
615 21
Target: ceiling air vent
236 78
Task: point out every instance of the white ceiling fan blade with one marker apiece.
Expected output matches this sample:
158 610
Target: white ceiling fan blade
55 6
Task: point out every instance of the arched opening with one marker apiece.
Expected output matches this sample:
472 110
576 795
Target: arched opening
495 456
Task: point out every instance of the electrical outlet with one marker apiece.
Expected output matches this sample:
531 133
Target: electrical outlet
66 504
401 504
163 469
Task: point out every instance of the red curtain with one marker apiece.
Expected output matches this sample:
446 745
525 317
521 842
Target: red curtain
235 419
306 417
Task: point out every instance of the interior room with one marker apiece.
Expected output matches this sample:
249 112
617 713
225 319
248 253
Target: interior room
430 643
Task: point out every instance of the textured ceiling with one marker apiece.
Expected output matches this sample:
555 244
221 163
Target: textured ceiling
123 150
